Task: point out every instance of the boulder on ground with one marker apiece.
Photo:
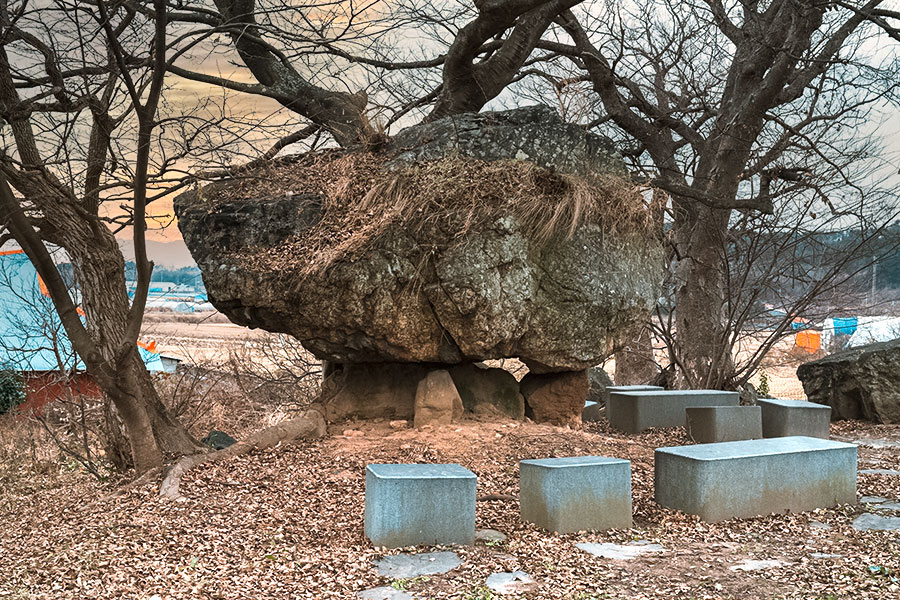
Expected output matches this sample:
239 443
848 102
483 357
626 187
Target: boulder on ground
556 398
860 383
474 237
484 390
371 390
437 401
599 382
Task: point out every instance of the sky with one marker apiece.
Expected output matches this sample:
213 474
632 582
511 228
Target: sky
186 95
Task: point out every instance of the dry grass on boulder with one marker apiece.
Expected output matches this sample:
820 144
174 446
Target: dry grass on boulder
438 201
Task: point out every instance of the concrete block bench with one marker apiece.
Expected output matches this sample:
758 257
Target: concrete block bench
755 477
593 411
633 412
576 493
634 388
710 424
410 504
781 418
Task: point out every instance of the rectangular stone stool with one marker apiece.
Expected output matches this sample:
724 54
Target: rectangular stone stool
634 388
710 424
410 504
755 477
575 493
633 412
781 418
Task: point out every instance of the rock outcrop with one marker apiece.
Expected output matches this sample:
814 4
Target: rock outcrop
556 397
860 383
437 401
455 288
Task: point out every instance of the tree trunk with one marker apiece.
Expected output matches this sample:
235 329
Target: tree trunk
701 341
635 364
152 433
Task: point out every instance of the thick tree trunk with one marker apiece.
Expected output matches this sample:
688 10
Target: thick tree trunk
702 349
152 433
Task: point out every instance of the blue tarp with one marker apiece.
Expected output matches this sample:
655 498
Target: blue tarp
31 335
845 326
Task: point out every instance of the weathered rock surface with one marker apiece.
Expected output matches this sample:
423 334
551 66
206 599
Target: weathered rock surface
413 297
555 397
437 401
599 382
370 390
860 383
485 389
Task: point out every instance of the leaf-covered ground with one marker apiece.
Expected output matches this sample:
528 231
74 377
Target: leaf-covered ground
288 524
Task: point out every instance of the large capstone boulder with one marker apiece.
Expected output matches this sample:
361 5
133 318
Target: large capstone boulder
473 237
860 383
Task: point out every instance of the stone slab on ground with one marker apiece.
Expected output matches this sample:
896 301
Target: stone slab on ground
576 493
872 499
411 504
784 418
517 582
870 522
592 412
384 593
877 443
892 506
711 424
879 471
620 551
757 565
489 535
407 566
755 477
635 411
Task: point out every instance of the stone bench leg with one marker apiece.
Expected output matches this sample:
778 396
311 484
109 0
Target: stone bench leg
575 494
413 504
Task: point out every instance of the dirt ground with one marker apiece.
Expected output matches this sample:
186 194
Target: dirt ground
288 523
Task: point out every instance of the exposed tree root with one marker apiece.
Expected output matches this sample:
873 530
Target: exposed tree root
310 425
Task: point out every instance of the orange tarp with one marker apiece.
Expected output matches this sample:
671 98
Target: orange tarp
811 341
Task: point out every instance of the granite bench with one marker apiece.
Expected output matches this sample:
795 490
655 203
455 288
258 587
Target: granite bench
782 418
576 493
710 424
593 411
410 504
633 412
634 388
755 477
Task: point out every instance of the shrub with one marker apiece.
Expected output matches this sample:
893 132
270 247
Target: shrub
12 390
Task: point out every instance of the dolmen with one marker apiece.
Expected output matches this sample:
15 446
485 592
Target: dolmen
576 493
635 411
782 418
410 504
710 424
755 477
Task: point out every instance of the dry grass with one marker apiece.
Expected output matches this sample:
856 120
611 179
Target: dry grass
433 201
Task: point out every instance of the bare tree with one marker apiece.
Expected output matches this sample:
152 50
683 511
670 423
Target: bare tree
728 107
80 89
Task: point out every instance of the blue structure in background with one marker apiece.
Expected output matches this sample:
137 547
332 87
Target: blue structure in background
31 334
845 326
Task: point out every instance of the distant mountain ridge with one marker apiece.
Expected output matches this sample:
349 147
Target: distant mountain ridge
165 254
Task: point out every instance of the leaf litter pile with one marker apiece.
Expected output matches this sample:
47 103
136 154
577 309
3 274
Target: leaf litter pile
361 198
288 523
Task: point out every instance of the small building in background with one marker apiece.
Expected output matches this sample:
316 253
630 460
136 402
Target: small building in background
34 344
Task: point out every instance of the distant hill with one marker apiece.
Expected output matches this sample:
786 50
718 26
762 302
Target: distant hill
164 254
